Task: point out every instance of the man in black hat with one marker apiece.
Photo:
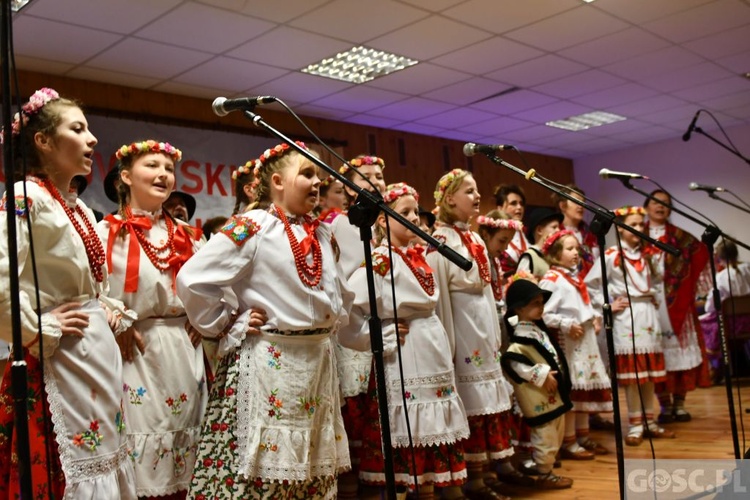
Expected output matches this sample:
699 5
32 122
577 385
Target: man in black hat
180 205
542 222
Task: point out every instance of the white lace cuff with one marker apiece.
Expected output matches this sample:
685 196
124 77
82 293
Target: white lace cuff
236 334
51 334
126 316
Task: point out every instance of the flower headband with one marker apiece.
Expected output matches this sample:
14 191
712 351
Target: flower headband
395 191
275 152
245 169
629 210
446 181
149 146
37 101
500 223
552 238
358 162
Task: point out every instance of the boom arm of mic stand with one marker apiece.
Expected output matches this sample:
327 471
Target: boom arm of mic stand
374 199
702 224
739 207
734 152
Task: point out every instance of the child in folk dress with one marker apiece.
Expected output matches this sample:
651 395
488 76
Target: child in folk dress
435 411
74 364
163 368
332 200
467 310
637 335
273 426
542 223
569 310
245 185
539 373
354 366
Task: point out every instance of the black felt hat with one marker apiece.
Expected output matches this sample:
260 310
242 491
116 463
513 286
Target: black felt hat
521 292
539 217
189 202
430 216
110 181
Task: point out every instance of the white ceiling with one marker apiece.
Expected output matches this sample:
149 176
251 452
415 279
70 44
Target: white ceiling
654 61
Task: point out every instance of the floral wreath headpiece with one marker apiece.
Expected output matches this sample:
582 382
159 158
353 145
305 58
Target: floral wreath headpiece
395 191
277 151
552 238
358 162
328 181
516 225
36 102
245 169
446 181
629 210
149 146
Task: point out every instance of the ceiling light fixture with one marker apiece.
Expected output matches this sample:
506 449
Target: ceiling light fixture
586 121
16 5
359 64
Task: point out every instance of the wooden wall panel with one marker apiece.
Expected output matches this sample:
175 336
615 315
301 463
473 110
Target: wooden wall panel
424 155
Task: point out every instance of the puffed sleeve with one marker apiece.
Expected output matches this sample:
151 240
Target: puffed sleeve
444 310
32 207
356 335
204 280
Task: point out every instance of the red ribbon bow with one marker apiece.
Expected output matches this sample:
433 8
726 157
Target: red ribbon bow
132 268
310 241
579 284
416 257
183 250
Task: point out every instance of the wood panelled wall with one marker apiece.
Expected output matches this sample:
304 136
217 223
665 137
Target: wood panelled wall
416 159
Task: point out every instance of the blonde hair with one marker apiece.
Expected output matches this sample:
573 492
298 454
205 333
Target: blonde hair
448 185
264 174
487 232
555 250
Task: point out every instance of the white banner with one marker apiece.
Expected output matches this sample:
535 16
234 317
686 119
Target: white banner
208 159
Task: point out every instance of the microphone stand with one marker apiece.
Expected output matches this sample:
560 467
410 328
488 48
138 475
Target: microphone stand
710 235
715 197
600 225
363 214
733 151
19 369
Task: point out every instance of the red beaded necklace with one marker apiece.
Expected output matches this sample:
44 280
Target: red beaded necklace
91 241
309 274
638 264
154 252
426 280
476 250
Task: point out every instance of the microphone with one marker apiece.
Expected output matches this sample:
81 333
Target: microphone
606 173
686 135
470 149
694 186
223 106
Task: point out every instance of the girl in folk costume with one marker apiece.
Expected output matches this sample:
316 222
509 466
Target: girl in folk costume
467 309
511 200
163 371
435 411
245 185
267 286
75 369
636 330
573 221
684 349
354 366
570 311
332 200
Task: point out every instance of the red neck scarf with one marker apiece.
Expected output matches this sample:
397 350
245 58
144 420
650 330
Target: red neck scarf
576 281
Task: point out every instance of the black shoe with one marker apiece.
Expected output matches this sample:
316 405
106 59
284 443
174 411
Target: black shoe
666 418
681 416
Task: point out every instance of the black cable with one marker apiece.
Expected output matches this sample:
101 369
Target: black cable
400 361
625 275
35 275
724 133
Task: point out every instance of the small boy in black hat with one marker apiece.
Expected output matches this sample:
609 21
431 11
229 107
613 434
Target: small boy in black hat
536 367
542 222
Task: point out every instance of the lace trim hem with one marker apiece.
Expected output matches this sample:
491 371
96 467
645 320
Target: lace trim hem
292 473
427 441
